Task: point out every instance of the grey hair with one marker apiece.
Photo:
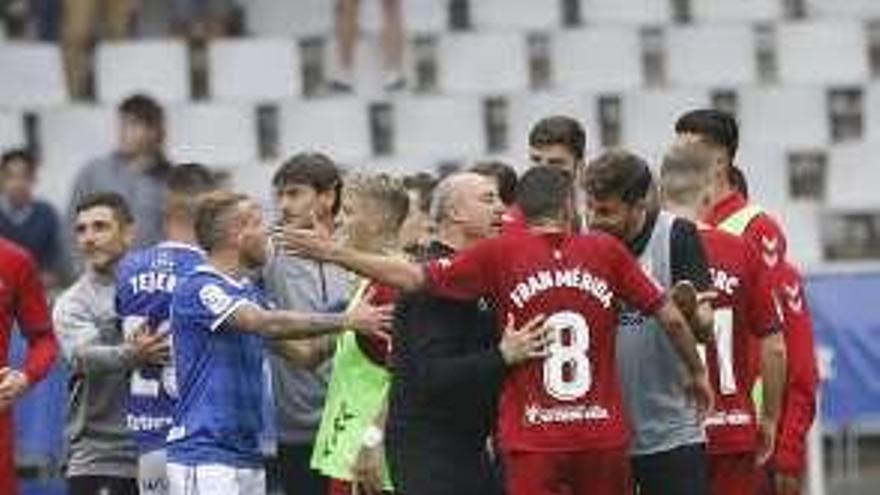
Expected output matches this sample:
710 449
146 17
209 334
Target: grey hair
441 198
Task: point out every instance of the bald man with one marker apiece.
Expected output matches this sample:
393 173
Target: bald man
449 363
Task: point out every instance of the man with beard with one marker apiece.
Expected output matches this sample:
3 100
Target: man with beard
219 323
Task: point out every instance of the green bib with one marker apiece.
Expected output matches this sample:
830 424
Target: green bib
357 390
737 224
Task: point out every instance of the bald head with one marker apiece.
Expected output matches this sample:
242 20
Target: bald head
467 205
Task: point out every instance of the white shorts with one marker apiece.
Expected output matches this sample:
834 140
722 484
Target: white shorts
215 479
152 473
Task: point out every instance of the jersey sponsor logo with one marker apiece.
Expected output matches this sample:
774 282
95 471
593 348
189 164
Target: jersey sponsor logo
536 415
729 418
147 423
723 281
215 299
572 278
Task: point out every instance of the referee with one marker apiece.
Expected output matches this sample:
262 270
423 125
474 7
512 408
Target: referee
448 364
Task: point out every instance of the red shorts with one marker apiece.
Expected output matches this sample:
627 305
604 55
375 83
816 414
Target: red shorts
734 474
340 487
7 455
589 472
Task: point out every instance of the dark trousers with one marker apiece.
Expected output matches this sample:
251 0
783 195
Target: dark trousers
104 485
292 471
681 471
440 465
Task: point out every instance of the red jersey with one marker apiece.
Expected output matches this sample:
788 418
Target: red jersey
799 403
762 233
570 401
377 347
22 300
513 220
744 309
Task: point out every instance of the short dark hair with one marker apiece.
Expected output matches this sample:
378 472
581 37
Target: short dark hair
424 184
315 170
212 216
143 109
503 174
618 174
543 191
562 130
18 154
715 126
738 180
114 201
192 179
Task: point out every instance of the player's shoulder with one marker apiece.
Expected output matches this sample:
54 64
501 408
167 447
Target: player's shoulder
11 252
597 242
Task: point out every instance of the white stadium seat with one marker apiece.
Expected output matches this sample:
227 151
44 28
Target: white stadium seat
872 113
522 15
419 16
598 12
483 63
597 59
706 55
11 130
826 52
738 11
214 134
858 9
783 117
336 126
648 119
802 227
32 75
254 179
296 18
71 137
254 70
765 168
527 109
439 127
158 68
853 175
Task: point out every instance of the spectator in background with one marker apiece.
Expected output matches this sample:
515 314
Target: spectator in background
308 190
29 222
101 457
137 170
417 228
504 176
201 19
346 37
22 301
82 21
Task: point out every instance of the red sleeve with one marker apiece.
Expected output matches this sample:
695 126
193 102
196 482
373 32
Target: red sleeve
765 313
799 406
32 313
632 283
765 235
467 275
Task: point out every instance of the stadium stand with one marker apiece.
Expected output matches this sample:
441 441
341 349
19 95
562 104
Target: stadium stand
32 75
157 67
221 134
11 130
709 56
597 59
254 70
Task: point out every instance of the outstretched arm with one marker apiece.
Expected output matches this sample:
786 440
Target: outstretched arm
386 270
363 317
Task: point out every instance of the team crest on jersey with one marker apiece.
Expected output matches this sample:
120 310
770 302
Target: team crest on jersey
215 299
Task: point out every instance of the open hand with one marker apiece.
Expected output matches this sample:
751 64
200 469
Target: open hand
149 347
315 243
531 341
368 319
700 393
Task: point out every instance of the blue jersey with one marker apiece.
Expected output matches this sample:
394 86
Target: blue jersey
217 417
145 281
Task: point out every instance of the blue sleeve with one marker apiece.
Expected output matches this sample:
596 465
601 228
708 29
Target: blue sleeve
213 302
